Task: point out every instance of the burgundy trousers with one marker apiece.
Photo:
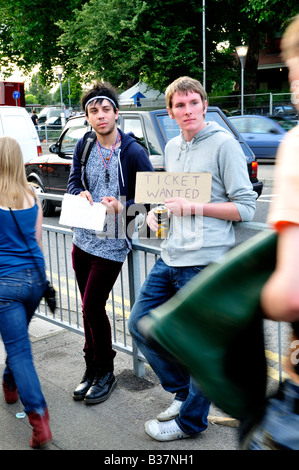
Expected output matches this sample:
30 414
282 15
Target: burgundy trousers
95 277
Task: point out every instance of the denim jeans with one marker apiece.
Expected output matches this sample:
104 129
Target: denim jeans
20 294
160 285
279 428
96 277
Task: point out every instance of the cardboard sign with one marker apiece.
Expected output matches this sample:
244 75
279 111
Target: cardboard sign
155 187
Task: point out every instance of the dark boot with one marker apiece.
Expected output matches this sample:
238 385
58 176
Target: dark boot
86 381
41 433
103 385
10 393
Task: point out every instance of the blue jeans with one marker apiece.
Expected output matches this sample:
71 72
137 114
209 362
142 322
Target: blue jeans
279 428
160 285
20 294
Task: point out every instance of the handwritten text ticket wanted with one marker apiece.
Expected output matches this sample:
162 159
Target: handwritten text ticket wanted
155 187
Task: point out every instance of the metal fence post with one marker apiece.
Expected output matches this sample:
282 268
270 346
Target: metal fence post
134 287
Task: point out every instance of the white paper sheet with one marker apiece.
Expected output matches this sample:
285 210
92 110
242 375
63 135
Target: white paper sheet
77 211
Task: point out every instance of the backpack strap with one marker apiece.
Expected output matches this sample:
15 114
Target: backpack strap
87 148
85 154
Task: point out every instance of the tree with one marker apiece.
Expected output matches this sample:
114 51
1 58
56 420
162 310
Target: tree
157 41
124 41
259 19
28 34
129 40
75 89
39 90
30 99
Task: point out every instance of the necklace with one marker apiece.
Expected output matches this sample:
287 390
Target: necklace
107 176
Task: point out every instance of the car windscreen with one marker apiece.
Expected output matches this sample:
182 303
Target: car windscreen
170 128
71 137
214 116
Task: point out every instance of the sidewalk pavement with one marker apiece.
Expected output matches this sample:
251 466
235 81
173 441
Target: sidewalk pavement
114 425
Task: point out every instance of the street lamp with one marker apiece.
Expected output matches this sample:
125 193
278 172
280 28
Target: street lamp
242 53
59 71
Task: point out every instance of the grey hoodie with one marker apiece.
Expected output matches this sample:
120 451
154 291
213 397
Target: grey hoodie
197 240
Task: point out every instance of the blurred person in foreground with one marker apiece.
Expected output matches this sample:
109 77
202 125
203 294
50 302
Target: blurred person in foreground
279 428
22 285
199 234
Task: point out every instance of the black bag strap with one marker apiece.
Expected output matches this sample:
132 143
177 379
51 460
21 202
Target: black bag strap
85 154
87 148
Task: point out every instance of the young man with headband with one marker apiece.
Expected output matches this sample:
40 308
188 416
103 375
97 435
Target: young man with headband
108 177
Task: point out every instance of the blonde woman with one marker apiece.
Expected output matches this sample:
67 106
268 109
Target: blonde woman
22 285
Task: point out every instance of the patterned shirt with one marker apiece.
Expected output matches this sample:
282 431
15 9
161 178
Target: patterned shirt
103 181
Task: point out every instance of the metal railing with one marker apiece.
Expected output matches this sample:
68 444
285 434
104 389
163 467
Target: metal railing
256 103
57 242
49 133
57 246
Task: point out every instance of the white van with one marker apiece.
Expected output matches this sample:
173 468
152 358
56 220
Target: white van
15 122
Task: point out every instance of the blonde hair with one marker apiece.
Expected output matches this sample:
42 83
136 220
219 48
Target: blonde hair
184 85
290 40
14 188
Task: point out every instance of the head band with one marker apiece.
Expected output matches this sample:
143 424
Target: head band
99 98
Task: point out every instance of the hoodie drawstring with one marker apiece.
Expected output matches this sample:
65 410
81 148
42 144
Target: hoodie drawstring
120 169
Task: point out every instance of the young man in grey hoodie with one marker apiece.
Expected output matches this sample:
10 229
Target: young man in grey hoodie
199 234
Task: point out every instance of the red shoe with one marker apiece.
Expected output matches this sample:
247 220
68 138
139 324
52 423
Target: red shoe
10 393
41 434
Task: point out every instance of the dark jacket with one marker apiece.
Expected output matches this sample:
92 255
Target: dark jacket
132 159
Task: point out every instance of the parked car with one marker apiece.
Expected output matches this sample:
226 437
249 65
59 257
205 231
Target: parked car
47 113
15 122
50 129
286 111
287 124
262 134
154 128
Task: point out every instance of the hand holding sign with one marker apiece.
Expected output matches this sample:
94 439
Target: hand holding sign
179 206
77 211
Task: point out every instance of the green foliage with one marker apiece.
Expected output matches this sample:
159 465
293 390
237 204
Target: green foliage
28 33
124 41
39 90
70 99
31 99
271 12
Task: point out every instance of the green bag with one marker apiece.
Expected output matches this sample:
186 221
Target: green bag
214 327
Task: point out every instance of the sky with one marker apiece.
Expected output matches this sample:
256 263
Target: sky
17 76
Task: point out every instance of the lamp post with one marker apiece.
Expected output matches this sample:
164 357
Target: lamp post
242 53
59 71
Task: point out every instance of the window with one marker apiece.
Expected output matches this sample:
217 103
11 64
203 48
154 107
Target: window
241 124
259 126
170 128
71 137
134 125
